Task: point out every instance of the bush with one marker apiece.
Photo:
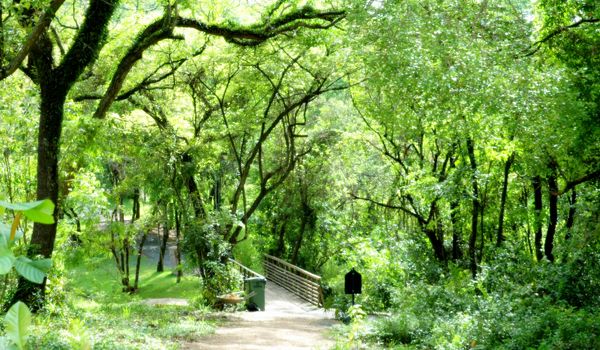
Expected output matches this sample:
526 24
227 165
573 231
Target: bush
397 329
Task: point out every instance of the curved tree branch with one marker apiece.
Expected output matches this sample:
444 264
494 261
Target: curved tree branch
535 47
252 35
33 37
151 35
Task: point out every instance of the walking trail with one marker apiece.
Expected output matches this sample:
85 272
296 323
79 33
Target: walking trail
287 323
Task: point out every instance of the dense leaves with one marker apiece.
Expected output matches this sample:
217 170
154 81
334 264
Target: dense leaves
449 150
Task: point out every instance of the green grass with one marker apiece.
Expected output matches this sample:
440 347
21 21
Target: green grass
87 306
99 278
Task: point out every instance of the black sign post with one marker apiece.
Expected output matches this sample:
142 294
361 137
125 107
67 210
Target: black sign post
353 283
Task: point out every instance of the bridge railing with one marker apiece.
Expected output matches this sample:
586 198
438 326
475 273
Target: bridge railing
300 282
246 272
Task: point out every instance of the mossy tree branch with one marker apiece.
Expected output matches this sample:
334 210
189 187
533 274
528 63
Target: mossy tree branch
30 42
306 17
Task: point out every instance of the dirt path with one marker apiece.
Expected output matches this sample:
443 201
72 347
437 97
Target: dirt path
287 323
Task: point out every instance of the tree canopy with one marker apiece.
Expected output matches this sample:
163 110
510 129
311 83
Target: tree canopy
443 147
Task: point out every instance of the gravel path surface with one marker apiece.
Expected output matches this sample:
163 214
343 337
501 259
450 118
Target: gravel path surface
287 323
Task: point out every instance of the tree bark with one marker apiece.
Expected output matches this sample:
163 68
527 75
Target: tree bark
553 214
537 200
475 209
280 250
54 85
571 217
138 263
456 232
177 215
160 267
135 214
500 234
42 239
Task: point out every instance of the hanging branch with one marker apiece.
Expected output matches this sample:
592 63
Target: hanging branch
252 35
535 47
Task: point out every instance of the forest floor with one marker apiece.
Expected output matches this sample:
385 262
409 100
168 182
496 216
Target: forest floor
287 323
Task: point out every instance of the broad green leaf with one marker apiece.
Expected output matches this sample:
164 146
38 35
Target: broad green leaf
17 322
7 259
33 270
39 211
4 234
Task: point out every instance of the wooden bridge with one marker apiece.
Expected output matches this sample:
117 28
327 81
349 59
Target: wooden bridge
301 283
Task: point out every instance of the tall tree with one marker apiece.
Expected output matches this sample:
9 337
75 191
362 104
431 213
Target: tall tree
55 81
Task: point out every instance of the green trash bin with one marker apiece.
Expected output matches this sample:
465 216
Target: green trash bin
256 285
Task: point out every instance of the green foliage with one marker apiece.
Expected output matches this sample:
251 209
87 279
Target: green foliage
18 317
33 270
17 323
94 312
39 211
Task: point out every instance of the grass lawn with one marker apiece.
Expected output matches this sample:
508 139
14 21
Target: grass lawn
89 310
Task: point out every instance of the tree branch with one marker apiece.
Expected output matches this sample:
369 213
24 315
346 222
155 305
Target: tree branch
37 31
256 34
151 35
143 85
571 184
535 47
385 205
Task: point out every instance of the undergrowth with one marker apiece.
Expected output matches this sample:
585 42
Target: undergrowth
86 309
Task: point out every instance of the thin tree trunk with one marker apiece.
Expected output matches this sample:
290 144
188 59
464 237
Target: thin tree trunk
525 204
482 206
135 215
192 187
553 208
178 243
138 263
126 249
500 234
571 217
456 234
475 209
163 246
280 250
537 200
298 244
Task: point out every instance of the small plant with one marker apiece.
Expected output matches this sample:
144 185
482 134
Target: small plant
78 336
18 317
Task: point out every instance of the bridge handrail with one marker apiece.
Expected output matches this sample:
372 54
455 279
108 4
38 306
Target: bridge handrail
300 271
246 272
302 283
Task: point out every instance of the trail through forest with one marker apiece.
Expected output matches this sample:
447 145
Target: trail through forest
287 323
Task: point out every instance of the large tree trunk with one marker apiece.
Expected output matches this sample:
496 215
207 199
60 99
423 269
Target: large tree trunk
436 245
192 187
500 234
475 209
537 202
42 239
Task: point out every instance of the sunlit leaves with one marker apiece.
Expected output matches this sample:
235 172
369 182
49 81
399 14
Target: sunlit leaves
17 321
39 211
7 259
33 270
